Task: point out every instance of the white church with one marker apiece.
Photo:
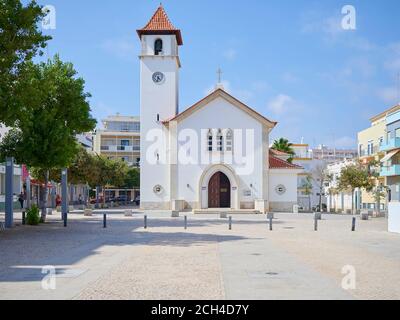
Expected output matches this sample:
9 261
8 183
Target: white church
215 154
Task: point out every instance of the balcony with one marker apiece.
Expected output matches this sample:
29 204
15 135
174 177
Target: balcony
390 171
390 144
115 148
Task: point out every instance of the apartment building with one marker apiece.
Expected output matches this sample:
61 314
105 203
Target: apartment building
332 155
370 143
390 165
119 139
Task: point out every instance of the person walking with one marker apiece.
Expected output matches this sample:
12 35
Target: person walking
58 201
21 199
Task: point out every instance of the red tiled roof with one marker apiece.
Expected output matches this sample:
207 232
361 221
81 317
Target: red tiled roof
160 24
279 153
276 163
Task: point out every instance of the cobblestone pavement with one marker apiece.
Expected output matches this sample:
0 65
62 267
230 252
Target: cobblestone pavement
206 261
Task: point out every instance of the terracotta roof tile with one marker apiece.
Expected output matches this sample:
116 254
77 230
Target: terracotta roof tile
160 24
279 153
276 163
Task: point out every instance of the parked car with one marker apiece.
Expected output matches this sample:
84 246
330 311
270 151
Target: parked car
121 199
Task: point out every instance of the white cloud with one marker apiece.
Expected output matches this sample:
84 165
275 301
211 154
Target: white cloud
388 95
392 63
280 104
122 48
230 54
332 31
289 77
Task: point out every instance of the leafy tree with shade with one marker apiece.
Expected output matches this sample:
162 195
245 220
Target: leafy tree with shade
20 40
57 110
355 177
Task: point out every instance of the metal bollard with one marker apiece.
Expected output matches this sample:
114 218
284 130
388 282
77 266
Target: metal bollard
270 224
145 222
230 223
353 225
65 220
23 218
105 220
186 222
315 223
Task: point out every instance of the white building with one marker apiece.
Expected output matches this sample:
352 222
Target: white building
85 140
339 201
214 154
332 155
308 199
119 139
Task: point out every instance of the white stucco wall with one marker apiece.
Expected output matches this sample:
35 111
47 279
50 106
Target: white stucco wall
394 217
219 113
287 178
157 99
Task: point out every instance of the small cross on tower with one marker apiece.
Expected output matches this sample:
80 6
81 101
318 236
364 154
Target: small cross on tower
219 73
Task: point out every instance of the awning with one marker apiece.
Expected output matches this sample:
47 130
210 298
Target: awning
390 155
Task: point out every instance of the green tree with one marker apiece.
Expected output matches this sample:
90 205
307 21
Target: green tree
308 189
285 146
20 41
57 110
132 179
107 173
355 177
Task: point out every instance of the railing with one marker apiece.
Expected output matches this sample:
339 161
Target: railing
390 144
389 171
115 148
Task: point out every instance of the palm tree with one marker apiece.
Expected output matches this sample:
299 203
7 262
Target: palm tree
285 146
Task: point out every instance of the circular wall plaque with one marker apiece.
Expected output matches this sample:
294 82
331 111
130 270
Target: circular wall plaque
281 189
157 189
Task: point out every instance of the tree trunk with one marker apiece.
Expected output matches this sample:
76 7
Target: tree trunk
309 203
44 197
320 198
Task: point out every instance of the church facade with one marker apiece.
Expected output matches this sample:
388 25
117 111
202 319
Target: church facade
213 155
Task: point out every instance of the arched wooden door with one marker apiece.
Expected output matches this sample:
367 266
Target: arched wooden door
219 191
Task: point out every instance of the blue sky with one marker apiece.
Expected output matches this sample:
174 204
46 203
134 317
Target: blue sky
288 59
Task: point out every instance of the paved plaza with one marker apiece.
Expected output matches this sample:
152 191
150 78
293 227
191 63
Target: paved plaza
206 261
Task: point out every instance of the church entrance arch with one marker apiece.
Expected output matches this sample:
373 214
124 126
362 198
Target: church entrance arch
219 187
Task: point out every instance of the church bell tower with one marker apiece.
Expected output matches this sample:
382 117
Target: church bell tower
159 99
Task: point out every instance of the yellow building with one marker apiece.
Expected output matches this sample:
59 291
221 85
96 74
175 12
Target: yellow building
369 144
120 139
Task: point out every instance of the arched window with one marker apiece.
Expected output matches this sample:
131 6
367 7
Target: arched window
158 47
210 140
220 141
229 141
